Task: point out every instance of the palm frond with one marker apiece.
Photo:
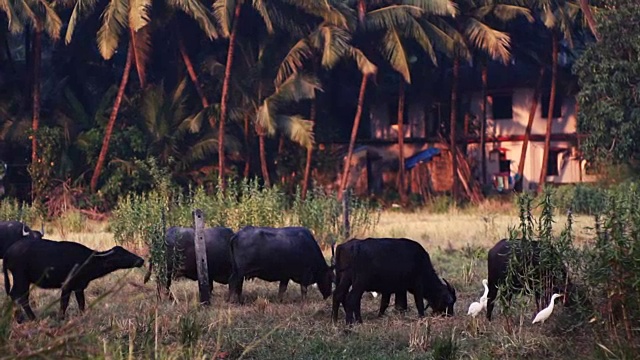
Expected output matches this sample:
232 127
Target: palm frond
150 109
265 118
506 12
297 129
492 41
141 45
415 31
198 12
15 25
223 11
365 66
114 21
261 8
445 37
293 61
139 13
435 7
394 52
203 149
335 45
80 10
297 87
193 124
52 22
391 16
24 11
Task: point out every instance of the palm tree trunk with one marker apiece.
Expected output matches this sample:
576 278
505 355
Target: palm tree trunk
35 122
532 114
453 123
401 174
263 158
112 120
354 133
483 123
192 74
588 15
225 93
247 162
552 101
28 59
307 166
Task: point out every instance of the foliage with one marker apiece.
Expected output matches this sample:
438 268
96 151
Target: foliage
580 198
608 73
11 209
48 154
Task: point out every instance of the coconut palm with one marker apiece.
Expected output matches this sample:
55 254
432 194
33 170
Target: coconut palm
132 18
473 29
395 21
274 16
40 17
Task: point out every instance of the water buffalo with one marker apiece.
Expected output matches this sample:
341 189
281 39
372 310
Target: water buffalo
61 265
12 231
278 254
181 251
387 266
498 264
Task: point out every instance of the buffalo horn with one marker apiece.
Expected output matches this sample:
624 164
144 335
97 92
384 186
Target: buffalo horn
333 253
42 228
24 232
104 253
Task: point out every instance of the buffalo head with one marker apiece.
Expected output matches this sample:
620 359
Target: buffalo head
119 258
446 300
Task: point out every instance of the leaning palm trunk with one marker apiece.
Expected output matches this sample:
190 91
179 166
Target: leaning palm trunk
401 174
263 158
194 77
454 115
354 133
307 166
247 162
112 120
225 94
552 103
532 114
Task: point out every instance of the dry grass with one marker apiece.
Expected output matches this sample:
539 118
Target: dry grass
124 324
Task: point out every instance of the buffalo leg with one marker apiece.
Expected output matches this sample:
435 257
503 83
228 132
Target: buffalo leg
491 298
282 289
80 299
418 296
235 287
20 294
354 299
339 297
64 301
401 301
384 303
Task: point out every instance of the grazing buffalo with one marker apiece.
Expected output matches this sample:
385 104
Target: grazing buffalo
12 231
387 266
61 265
498 265
181 254
278 254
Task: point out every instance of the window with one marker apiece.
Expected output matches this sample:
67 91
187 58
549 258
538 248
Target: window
552 162
557 106
502 107
505 164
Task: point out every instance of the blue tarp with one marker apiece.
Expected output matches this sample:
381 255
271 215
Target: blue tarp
421 157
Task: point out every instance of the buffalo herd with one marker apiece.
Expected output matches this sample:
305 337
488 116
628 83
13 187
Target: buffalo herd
383 265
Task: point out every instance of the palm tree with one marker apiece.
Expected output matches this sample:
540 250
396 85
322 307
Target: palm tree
228 15
134 18
473 30
559 17
402 19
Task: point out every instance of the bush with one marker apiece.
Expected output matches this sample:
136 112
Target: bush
580 198
11 209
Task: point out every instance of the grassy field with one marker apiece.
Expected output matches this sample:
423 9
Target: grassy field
127 321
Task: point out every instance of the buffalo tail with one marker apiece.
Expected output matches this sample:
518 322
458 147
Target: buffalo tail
7 284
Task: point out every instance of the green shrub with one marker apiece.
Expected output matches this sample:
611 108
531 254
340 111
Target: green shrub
11 209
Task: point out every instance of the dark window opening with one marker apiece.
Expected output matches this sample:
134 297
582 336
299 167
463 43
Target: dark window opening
502 107
393 112
557 106
504 164
552 163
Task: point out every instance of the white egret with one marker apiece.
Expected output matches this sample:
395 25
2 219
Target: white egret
546 312
476 307
483 299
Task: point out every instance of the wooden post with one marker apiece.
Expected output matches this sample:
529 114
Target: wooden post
345 213
201 258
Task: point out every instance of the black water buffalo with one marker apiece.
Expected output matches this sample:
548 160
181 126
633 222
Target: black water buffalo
278 254
387 266
498 265
59 265
12 231
181 254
